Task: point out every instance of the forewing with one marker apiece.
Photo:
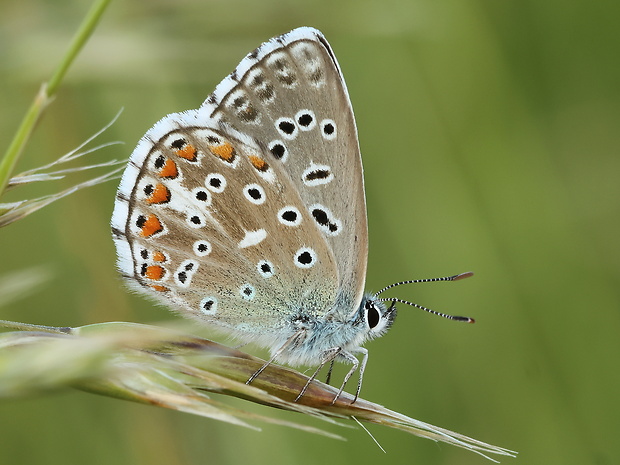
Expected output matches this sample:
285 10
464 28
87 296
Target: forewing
289 95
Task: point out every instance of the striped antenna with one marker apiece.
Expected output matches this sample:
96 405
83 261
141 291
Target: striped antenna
428 280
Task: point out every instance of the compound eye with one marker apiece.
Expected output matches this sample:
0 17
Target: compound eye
372 316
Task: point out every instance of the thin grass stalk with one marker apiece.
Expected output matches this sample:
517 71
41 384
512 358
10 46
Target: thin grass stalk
46 94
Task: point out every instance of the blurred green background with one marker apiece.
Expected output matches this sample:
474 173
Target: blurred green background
490 133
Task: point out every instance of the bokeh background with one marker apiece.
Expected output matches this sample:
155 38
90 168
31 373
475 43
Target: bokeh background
490 133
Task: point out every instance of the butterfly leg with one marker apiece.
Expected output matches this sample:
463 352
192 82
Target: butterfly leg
329 373
364 352
355 363
327 357
294 339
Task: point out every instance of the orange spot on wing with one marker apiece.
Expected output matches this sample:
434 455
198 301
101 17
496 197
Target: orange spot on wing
225 151
155 272
151 225
159 288
160 194
258 163
188 152
169 170
159 257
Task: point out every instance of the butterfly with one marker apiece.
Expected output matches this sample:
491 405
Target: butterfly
249 214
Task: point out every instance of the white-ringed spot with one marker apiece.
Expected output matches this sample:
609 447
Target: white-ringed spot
185 272
215 182
287 128
325 219
328 129
305 119
202 248
289 216
265 269
208 305
278 150
305 258
202 196
254 193
315 175
195 220
247 291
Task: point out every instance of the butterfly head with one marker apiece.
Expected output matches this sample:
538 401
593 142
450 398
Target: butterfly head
376 316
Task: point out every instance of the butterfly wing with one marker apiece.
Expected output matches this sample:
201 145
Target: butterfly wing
290 96
249 212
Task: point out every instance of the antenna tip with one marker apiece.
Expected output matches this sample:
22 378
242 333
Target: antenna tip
467 274
466 319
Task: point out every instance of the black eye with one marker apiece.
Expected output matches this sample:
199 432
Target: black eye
372 316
